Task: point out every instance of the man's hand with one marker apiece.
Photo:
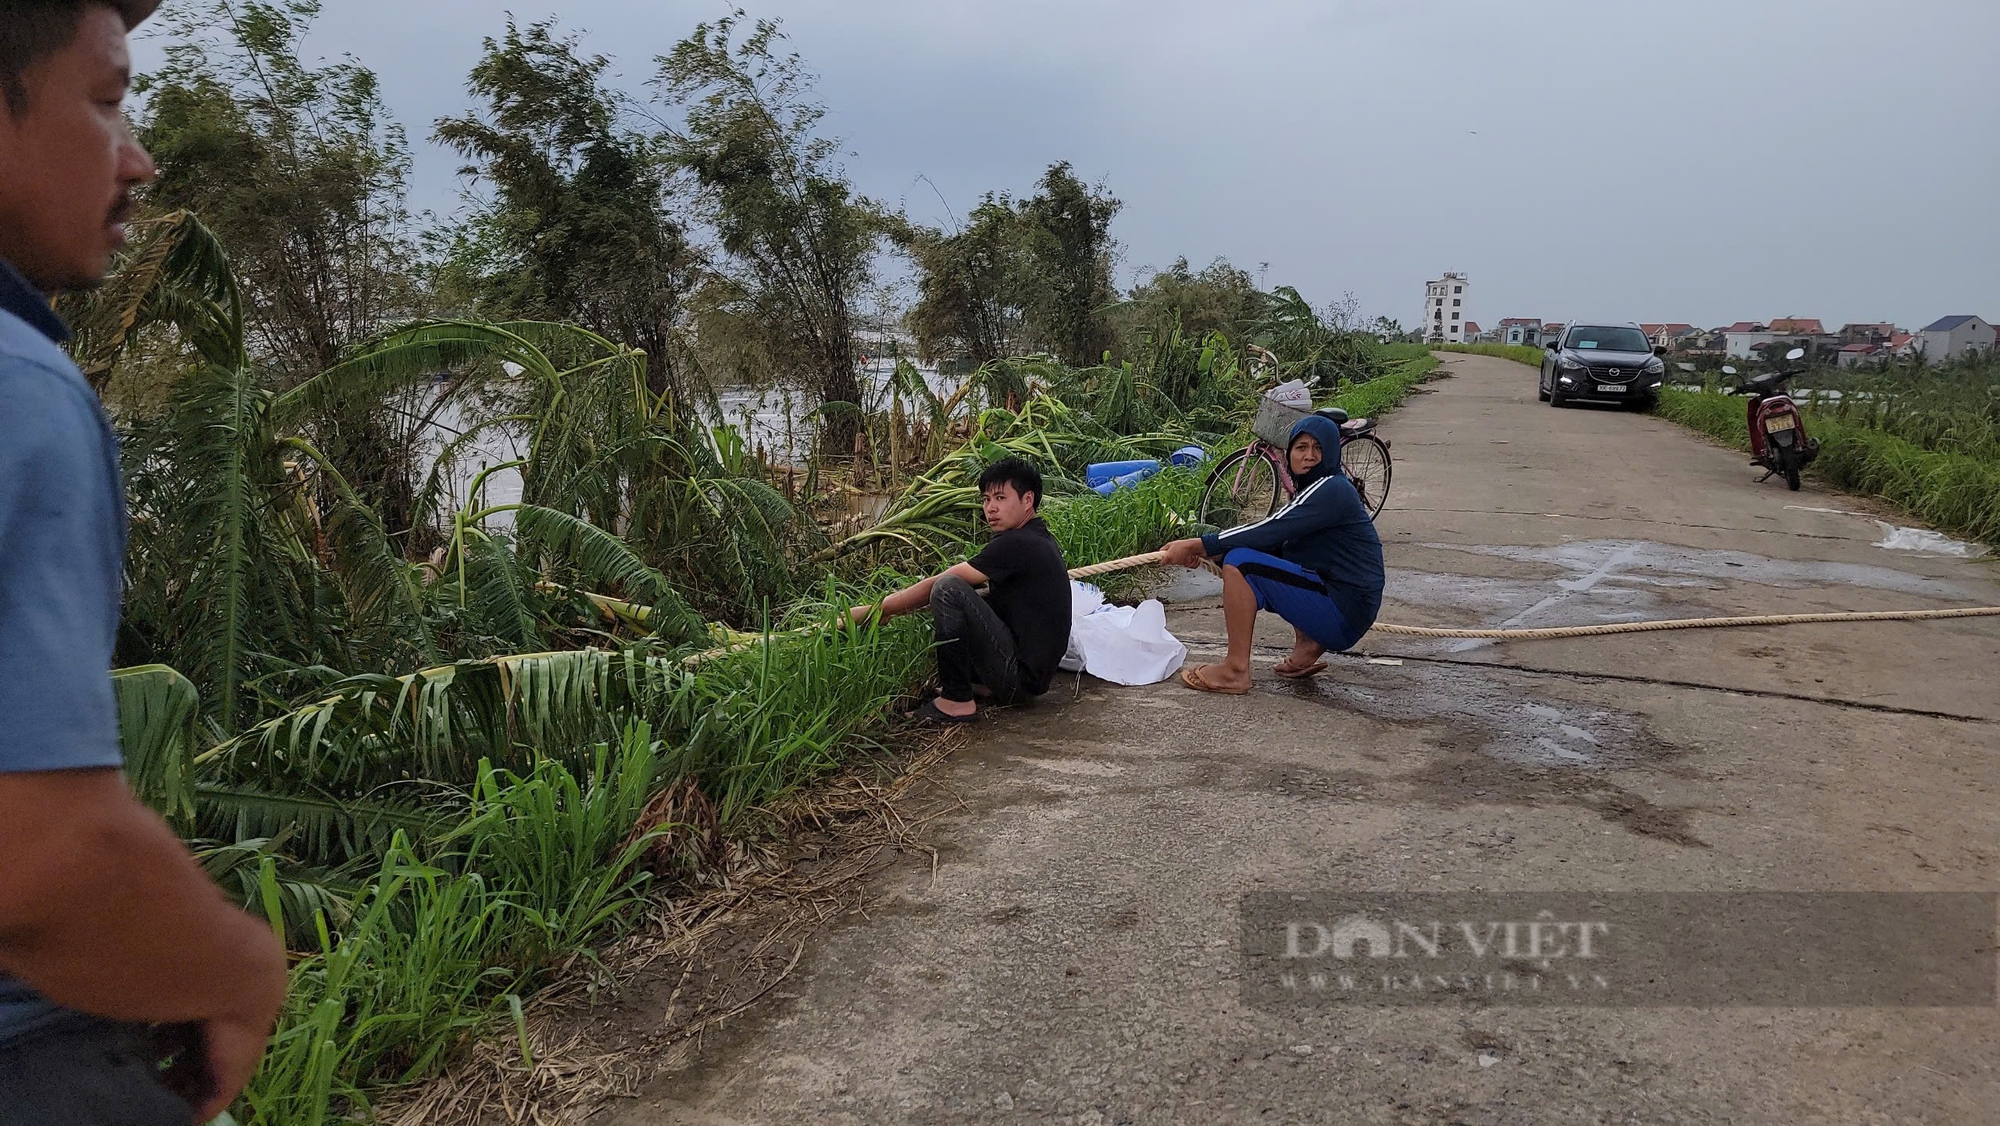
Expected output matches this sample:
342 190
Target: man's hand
235 1042
858 616
1184 553
103 910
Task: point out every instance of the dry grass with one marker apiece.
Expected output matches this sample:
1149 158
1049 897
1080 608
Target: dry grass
713 953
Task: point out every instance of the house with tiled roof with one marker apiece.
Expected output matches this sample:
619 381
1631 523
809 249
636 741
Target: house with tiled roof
1744 339
1797 326
1520 330
1947 337
1874 332
1667 334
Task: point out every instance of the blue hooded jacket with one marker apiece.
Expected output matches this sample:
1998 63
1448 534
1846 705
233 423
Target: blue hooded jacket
1324 529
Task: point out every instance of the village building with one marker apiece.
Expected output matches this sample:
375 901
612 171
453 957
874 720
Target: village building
1444 309
1949 337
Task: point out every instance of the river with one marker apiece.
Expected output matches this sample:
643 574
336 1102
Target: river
773 418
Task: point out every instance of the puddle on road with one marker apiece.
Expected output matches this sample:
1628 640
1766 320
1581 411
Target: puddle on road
1605 581
1489 599
1923 539
1608 580
1498 746
1641 561
1525 731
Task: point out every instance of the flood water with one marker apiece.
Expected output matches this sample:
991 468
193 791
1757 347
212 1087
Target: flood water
774 419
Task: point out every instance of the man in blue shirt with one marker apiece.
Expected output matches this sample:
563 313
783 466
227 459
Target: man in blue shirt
107 924
1317 563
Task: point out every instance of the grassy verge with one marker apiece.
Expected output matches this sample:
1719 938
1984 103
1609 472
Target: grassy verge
1385 393
1954 492
449 937
481 896
1519 353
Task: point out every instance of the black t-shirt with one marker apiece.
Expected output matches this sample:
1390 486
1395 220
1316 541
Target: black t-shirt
1030 592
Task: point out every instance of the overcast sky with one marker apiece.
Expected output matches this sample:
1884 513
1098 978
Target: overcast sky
1666 160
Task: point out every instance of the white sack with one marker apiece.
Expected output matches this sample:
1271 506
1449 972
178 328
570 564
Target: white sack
1121 644
1293 393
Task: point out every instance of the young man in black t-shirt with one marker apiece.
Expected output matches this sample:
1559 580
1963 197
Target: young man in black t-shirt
1010 641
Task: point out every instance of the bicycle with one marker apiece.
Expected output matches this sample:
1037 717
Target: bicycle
1256 480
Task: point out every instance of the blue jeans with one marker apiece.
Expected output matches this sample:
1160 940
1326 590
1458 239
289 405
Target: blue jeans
1295 594
973 645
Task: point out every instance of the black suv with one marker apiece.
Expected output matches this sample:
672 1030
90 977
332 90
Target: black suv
1609 363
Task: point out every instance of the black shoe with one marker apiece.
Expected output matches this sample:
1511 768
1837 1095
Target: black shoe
930 715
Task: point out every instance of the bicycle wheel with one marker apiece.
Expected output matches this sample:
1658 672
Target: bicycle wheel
1242 489
1365 460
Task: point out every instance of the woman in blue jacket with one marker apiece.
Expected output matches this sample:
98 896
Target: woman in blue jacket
1317 563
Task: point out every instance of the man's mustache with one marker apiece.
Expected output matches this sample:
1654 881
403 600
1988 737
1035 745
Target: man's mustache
122 210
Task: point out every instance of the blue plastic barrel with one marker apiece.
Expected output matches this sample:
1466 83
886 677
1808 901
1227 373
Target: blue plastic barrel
1100 472
1188 455
1126 480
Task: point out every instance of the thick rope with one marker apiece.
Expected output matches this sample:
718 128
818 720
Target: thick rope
1688 623
1116 565
1547 633
1552 632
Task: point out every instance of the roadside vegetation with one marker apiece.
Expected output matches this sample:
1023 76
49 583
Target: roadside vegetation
1519 353
451 719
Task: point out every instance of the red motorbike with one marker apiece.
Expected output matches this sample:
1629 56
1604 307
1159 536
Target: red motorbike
1778 439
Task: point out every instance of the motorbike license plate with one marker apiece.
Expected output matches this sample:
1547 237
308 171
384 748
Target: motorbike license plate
1609 387
1781 422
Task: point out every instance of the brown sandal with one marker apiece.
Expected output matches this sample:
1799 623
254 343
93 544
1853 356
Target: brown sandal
1191 676
1309 671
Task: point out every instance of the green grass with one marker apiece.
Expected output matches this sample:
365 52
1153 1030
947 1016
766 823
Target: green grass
1385 393
1400 352
521 871
1951 408
1096 529
1953 492
449 936
1519 353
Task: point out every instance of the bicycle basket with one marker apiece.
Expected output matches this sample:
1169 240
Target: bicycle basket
1274 421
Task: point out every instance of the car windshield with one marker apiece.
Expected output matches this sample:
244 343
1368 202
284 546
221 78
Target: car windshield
1609 340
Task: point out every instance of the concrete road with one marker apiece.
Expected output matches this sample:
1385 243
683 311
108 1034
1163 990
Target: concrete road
1074 956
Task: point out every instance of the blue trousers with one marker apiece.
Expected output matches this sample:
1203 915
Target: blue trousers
1295 594
86 1071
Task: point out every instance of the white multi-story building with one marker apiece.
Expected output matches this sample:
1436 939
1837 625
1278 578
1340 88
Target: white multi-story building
1444 309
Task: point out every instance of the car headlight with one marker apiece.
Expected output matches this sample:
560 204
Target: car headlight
1655 366
1569 364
